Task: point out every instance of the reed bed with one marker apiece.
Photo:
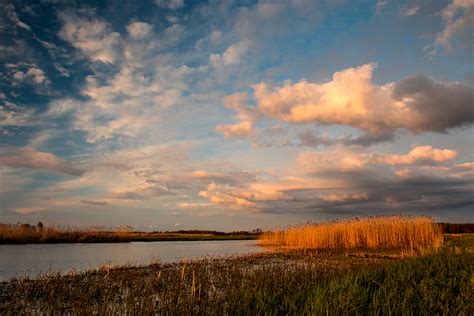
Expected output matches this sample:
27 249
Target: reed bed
383 232
271 283
25 233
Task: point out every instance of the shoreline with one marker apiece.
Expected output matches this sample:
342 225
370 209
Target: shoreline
136 239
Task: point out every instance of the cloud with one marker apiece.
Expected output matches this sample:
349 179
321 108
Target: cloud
139 30
420 154
309 139
127 104
26 157
11 14
342 159
187 205
338 180
418 104
334 197
170 4
379 5
434 105
98 203
93 37
33 74
232 56
12 114
246 115
458 18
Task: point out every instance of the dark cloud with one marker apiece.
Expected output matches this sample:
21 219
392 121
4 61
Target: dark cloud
439 105
310 139
98 203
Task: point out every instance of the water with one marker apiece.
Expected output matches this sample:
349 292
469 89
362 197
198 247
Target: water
33 259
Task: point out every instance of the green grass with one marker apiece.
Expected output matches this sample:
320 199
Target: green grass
273 283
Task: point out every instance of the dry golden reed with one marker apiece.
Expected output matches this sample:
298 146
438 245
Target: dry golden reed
25 233
383 232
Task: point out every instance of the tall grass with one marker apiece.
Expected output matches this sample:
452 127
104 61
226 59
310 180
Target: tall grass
383 232
25 233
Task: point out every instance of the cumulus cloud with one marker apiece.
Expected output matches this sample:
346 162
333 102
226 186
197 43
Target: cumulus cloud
93 37
139 30
26 157
418 103
434 105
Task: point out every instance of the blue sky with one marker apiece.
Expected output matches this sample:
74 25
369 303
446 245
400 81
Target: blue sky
227 115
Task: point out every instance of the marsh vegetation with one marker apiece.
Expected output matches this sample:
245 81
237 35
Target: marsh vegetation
299 280
383 232
26 233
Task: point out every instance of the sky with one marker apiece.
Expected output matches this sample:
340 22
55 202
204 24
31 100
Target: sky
231 115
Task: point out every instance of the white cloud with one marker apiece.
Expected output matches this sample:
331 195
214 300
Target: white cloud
92 36
232 56
139 30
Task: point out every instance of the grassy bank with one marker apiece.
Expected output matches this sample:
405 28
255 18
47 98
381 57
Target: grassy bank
25 234
294 282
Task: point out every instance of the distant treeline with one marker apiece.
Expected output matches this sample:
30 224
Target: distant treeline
448 228
26 233
212 232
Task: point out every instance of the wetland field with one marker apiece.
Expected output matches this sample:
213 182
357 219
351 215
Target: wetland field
417 270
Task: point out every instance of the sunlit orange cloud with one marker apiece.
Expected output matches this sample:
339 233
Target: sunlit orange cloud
350 98
345 160
418 154
325 172
246 115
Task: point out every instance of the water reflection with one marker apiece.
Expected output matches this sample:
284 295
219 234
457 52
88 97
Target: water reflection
30 260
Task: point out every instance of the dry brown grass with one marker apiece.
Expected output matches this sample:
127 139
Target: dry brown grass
25 233
384 232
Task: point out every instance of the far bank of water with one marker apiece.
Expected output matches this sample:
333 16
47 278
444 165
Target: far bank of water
32 259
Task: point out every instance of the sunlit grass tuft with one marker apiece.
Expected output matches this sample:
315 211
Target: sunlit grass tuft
383 232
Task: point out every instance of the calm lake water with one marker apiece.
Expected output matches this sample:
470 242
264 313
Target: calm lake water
31 260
